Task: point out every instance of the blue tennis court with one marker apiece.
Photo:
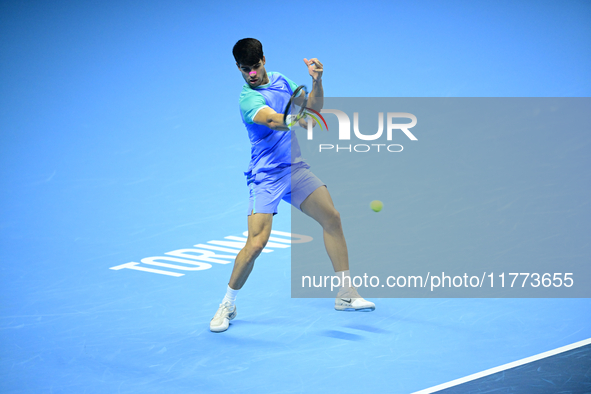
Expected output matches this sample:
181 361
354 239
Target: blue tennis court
122 150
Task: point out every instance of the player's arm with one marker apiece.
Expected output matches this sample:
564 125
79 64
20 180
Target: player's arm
316 96
268 117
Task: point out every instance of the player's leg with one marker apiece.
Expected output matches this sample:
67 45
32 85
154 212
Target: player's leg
320 207
259 230
266 192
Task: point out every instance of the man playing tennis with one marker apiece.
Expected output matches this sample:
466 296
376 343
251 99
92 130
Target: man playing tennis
277 171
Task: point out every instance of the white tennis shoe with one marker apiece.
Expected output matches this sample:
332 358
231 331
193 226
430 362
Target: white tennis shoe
221 319
348 299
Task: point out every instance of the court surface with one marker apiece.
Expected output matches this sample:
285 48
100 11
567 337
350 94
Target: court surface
121 143
71 323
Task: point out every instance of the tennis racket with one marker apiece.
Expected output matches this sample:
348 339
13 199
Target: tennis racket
299 110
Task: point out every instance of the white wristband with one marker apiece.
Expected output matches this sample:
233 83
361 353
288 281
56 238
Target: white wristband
289 119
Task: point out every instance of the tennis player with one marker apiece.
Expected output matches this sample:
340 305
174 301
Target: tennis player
277 172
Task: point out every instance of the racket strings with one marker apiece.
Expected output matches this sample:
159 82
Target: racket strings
297 105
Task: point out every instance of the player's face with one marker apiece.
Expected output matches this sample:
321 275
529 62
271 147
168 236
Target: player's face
254 75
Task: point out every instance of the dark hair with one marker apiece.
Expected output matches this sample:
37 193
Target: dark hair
248 51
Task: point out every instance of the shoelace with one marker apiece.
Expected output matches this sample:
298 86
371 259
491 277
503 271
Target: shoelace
222 308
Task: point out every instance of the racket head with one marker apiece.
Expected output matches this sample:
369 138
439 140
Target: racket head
298 108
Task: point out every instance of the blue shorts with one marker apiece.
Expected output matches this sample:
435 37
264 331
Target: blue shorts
293 185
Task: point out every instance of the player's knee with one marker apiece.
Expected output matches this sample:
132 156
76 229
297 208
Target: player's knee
333 220
256 246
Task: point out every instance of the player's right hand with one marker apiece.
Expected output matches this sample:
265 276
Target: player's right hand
290 119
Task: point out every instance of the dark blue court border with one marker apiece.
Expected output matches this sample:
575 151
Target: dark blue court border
564 373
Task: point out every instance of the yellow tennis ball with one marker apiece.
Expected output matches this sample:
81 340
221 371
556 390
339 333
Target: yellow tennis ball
376 205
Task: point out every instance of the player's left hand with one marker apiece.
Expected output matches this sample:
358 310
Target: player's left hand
303 122
315 68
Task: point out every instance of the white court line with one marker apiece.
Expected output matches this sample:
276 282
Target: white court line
505 367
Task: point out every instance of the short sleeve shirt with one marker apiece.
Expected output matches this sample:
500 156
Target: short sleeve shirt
252 101
272 151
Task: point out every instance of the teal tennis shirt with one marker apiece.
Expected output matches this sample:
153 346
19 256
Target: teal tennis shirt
272 151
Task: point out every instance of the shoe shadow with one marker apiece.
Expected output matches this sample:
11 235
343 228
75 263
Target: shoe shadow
263 322
362 327
341 335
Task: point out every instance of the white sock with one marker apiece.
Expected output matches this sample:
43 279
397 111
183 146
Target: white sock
230 296
345 279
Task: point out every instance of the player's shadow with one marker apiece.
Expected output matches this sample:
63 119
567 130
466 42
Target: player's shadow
275 321
341 335
362 327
